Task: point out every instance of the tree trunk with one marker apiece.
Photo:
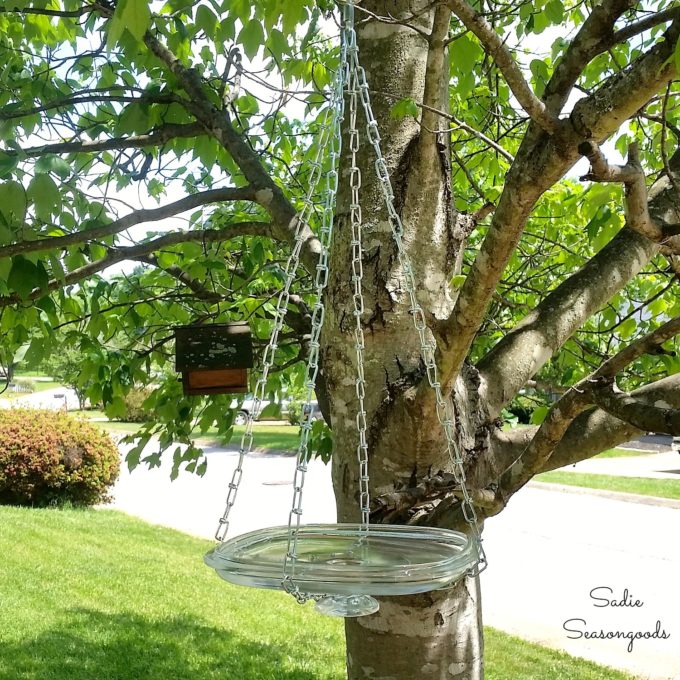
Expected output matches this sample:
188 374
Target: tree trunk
433 636
438 634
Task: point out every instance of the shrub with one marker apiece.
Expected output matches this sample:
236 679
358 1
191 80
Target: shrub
49 457
23 385
295 411
134 413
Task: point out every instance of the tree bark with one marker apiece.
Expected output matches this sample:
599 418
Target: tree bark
433 636
438 634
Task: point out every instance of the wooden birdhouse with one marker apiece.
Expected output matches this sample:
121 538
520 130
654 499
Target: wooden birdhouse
215 358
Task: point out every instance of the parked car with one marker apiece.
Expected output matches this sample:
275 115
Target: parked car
248 405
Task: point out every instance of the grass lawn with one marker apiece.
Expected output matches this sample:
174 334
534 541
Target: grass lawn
662 488
283 437
623 453
97 595
37 387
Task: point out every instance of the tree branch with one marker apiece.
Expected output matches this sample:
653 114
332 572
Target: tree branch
645 417
216 122
494 45
156 137
116 255
593 38
595 430
130 220
73 14
541 161
178 273
575 400
637 27
9 113
633 177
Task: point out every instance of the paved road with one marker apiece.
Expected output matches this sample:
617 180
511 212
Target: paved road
664 465
194 504
49 399
547 551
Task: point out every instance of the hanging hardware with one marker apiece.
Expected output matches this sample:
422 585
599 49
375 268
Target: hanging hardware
343 566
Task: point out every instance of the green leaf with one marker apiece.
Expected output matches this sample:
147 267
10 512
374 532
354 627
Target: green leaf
627 328
277 43
52 163
541 74
539 414
8 162
206 20
555 11
405 107
24 276
116 28
13 202
677 55
136 17
35 352
596 223
457 281
45 196
252 37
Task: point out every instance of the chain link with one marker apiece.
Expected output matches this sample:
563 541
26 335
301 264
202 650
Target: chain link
427 345
337 107
357 297
329 131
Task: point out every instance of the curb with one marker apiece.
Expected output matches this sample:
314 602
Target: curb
611 495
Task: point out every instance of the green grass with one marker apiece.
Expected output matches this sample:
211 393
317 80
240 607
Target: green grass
284 437
37 387
622 453
98 595
661 488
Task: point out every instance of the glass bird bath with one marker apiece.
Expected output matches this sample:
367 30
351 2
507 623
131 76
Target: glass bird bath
344 566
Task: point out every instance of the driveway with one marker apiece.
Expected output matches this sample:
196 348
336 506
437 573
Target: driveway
547 551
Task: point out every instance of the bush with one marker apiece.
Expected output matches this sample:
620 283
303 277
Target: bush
134 413
295 411
24 385
49 457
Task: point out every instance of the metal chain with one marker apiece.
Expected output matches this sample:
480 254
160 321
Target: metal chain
357 297
427 345
337 106
352 73
328 132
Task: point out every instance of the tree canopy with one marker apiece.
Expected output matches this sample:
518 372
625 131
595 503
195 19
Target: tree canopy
178 136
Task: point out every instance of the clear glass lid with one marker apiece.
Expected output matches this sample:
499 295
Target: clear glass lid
343 559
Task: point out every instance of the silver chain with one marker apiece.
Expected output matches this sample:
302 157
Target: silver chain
328 132
427 346
351 73
337 107
358 297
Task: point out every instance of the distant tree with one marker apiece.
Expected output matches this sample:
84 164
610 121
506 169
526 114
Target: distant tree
66 367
